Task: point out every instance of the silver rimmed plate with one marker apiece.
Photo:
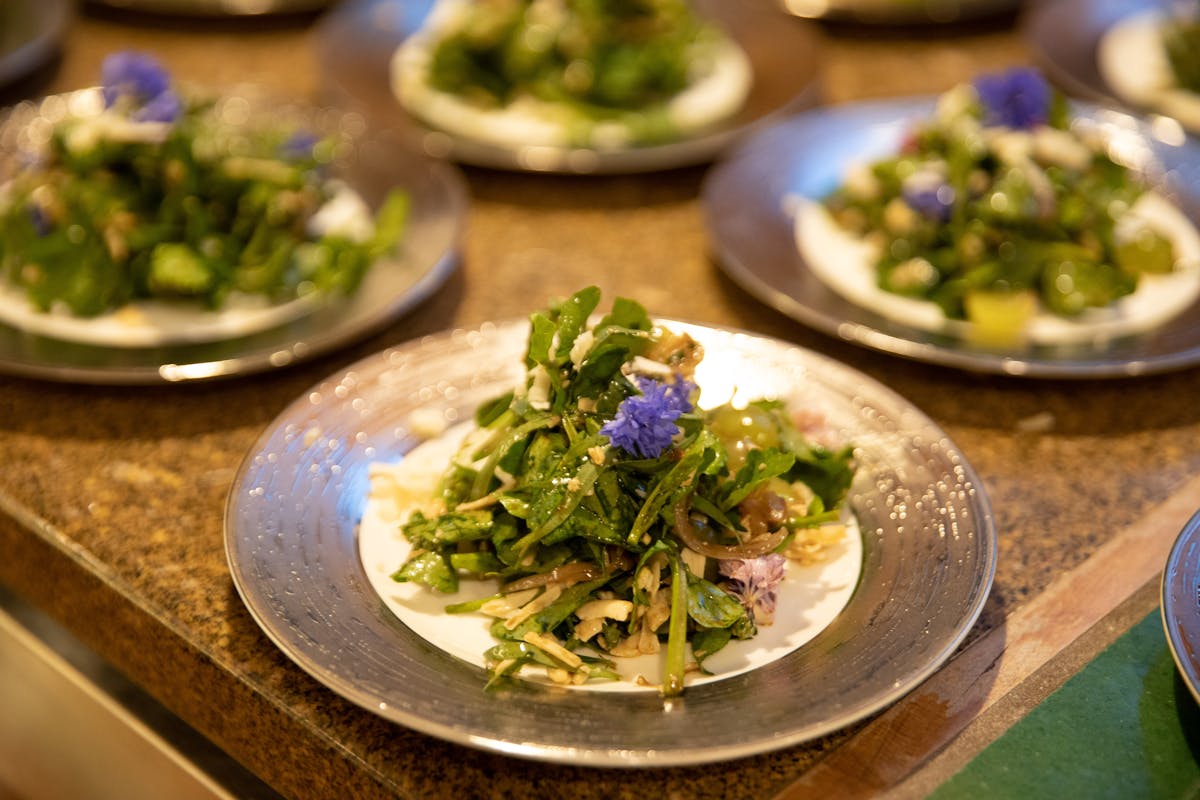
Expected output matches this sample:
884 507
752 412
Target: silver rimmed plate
898 12
217 8
290 535
1064 36
356 41
31 32
746 199
370 163
1181 603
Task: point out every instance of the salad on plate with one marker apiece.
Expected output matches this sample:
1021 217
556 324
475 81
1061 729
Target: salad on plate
1151 59
598 526
1003 219
570 73
139 214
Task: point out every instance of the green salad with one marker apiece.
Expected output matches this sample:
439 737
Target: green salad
157 195
1181 41
621 60
617 515
994 209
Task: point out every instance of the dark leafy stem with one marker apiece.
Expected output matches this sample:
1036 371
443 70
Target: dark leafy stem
676 630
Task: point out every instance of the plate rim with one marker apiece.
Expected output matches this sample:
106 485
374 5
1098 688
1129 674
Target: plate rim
1039 16
1177 579
868 333
984 576
851 12
52 18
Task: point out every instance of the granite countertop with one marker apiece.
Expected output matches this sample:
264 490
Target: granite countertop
111 499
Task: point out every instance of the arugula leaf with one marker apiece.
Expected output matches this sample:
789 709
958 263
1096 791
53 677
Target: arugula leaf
707 641
541 336
710 606
690 462
572 318
448 528
828 473
761 465
492 410
430 568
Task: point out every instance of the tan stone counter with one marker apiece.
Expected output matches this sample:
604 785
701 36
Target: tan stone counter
112 498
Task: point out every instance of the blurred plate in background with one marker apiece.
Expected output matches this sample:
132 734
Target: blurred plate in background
898 12
31 32
216 8
1063 36
747 206
427 256
355 43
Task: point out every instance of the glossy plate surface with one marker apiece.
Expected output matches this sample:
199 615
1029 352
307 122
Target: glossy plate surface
355 43
30 34
1063 36
217 8
290 528
372 165
745 201
1181 603
898 12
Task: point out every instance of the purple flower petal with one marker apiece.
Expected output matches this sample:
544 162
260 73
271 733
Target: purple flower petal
755 581
135 75
41 222
298 146
934 202
644 425
1018 98
166 107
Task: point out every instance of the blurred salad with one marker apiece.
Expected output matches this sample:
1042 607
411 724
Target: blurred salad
618 516
153 194
1181 41
995 209
601 60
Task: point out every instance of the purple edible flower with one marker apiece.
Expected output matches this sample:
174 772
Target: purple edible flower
755 581
645 423
298 146
40 220
934 202
166 107
1018 98
139 81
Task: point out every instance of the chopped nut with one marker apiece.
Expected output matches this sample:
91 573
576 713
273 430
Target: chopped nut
546 598
588 628
509 604
613 609
553 649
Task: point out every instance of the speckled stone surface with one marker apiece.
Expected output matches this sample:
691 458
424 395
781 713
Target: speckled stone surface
113 497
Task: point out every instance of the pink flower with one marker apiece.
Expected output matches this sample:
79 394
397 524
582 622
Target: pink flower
755 582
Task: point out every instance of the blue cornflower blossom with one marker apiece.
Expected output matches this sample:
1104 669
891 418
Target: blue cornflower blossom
165 108
645 423
1018 98
140 81
298 146
935 201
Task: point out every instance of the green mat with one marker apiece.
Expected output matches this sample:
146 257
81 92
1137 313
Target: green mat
1124 727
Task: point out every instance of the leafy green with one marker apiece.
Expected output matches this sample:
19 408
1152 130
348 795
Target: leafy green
551 500
193 215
